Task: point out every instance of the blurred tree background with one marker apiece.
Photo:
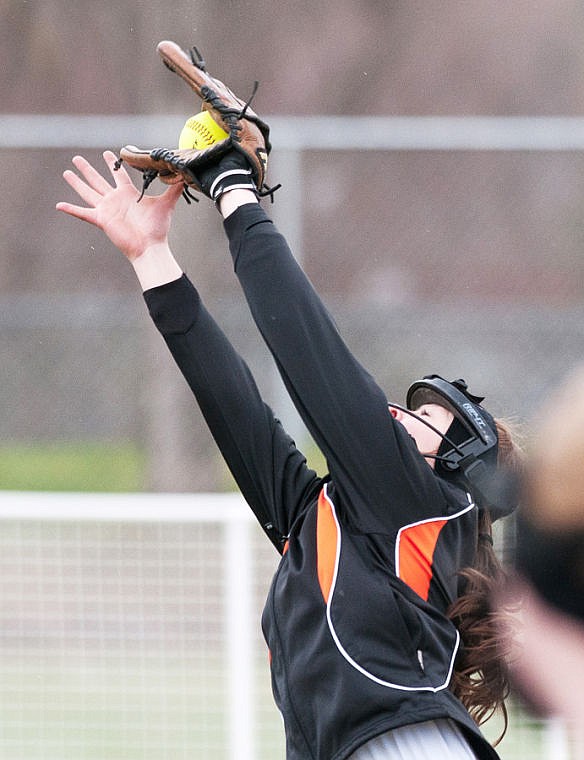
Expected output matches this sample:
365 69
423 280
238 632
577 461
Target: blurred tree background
463 263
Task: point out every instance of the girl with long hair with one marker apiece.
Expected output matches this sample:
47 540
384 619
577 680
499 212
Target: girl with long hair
377 620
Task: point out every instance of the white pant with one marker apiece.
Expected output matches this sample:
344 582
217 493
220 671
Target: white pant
432 740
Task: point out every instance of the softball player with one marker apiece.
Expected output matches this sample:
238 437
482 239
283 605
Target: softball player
368 621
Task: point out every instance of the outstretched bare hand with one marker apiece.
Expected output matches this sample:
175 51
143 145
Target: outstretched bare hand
131 226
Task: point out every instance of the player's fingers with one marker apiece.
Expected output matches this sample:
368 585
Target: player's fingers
118 171
92 176
79 212
87 193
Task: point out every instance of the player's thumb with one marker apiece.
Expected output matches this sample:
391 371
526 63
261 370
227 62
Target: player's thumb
171 195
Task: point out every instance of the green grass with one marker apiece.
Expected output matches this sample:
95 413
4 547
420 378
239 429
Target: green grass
136 704
72 467
116 705
524 737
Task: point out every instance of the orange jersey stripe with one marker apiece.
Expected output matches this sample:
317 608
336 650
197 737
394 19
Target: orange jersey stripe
326 545
417 544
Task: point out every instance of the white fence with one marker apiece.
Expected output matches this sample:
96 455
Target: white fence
108 602
309 132
129 628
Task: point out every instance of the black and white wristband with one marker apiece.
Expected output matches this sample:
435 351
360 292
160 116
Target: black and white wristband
231 179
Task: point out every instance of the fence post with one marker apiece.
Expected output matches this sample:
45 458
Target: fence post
239 640
556 739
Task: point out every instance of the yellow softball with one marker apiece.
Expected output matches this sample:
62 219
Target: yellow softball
200 131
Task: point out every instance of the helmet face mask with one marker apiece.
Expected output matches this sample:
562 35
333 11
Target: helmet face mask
468 453
473 432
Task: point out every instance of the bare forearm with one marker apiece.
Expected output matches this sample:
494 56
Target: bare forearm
232 200
156 266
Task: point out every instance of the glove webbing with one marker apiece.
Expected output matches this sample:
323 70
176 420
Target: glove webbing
233 117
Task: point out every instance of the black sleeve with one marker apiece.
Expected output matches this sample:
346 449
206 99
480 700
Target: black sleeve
268 468
374 464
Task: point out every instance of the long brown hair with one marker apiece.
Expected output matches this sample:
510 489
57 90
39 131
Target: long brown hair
481 676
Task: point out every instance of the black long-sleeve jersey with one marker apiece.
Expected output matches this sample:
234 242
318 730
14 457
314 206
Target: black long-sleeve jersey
355 618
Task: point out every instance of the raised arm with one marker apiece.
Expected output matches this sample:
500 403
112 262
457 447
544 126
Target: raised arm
371 458
270 471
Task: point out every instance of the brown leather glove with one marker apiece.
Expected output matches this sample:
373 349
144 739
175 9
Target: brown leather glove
247 134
